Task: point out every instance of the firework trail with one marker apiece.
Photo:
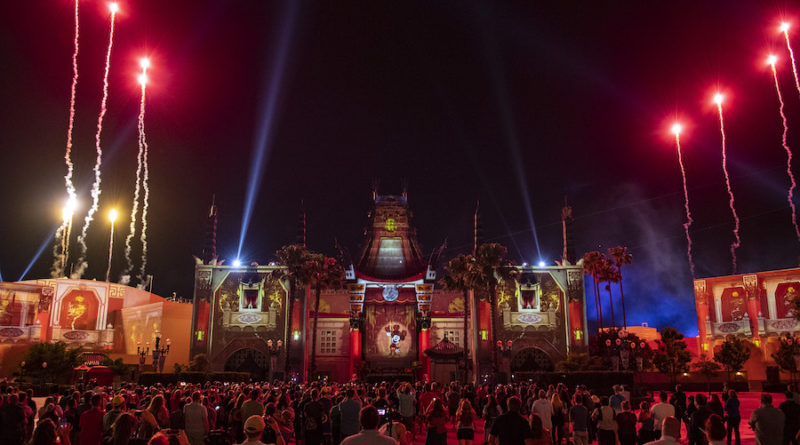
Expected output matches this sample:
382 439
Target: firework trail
62 240
718 99
62 234
139 160
676 130
113 7
145 63
771 60
785 29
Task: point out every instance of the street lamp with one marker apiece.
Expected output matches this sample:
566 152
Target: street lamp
142 353
112 216
160 355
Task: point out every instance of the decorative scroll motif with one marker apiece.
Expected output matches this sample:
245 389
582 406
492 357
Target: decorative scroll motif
249 318
117 291
11 332
76 335
728 328
424 293
574 285
783 324
46 298
529 318
700 291
750 286
356 292
202 285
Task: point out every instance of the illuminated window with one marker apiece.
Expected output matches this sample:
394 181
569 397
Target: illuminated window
484 334
454 337
327 342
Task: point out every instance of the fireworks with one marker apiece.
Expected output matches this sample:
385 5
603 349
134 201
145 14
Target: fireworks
718 100
144 63
785 30
82 263
63 232
677 128
771 61
145 172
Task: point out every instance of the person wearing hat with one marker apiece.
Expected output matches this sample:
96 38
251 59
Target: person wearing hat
254 432
117 408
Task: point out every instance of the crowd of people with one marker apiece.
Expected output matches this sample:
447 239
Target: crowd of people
320 413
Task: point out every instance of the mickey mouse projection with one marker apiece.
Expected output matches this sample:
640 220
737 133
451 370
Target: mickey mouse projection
395 337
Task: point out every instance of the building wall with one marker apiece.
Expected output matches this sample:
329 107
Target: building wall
755 307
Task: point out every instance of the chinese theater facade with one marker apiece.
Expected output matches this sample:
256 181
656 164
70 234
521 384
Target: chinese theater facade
388 320
756 307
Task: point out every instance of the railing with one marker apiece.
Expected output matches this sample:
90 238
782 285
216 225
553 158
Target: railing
529 318
725 328
20 334
100 337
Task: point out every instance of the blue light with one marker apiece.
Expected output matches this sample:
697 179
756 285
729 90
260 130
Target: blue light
542 264
269 109
38 254
237 263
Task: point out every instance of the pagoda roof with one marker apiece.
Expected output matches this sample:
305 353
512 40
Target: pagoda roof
390 251
445 350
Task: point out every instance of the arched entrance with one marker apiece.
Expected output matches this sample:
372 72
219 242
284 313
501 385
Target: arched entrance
531 360
248 360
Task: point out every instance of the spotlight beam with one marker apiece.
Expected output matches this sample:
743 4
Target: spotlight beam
44 245
269 111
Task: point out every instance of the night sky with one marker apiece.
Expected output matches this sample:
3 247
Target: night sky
516 105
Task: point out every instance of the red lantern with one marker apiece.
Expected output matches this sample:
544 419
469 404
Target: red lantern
619 342
509 343
499 343
608 342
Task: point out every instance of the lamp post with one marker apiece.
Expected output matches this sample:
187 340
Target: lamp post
142 353
160 355
505 354
112 216
274 349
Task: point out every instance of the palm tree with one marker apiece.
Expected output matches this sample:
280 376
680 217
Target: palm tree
458 277
325 273
608 273
591 266
621 256
490 268
293 258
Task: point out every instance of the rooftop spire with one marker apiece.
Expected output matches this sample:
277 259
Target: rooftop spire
209 252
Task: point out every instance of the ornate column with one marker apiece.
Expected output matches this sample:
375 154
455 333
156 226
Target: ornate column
701 304
424 292
425 343
750 283
356 292
577 335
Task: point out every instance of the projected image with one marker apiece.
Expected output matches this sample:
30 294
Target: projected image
79 310
390 332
